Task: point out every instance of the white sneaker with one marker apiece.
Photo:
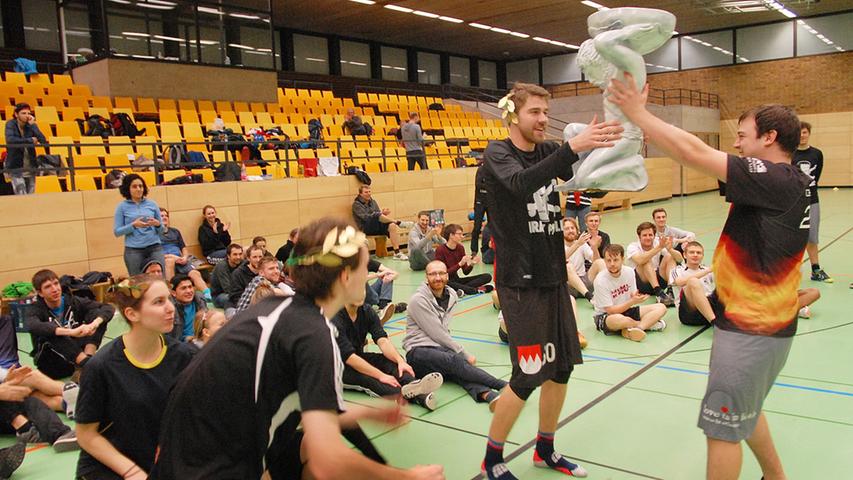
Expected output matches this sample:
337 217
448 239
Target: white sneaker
658 326
805 312
407 224
428 384
69 398
401 256
460 293
386 313
430 402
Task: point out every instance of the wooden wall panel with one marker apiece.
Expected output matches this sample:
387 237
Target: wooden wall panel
312 209
29 246
249 193
42 208
268 218
323 187
409 203
100 240
413 180
26 274
196 196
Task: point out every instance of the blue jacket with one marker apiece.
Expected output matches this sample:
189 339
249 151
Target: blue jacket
15 156
128 211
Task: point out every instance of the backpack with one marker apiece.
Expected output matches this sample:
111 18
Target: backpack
93 277
49 165
368 129
227 172
315 130
75 286
185 179
95 126
197 160
123 125
361 175
144 164
435 106
174 155
114 179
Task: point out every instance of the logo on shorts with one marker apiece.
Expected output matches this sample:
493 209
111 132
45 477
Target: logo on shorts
530 357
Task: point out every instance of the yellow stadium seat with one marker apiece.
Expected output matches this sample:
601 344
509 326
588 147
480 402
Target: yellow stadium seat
192 129
264 119
102 102
62 80
170 129
115 148
256 107
206 106
61 90
223 106
150 178
208 117
169 175
254 171
80 90
433 164
150 129
32 90
167 104
48 184
247 118
189 116
128 111
99 111
92 146
168 116
447 163
372 167
86 165
241 106
82 182
78 102
186 104
47 115
145 105
55 101
206 174
228 116
117 161
15 78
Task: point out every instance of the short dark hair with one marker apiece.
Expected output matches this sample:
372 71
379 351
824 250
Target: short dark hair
124 189
164 209
316 280
232 247
658 210
177 279
693 243
258 239
362 187
422 213
645 226
251 249
42 276
22 106
449 230
615 249
806 125
778 118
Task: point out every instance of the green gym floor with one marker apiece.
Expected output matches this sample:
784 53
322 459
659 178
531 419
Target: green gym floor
631 409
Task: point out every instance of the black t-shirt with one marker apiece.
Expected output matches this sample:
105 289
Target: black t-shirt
757 260
219 417
373 265
524 211
810 161
127 400
353 334
241 277
283 253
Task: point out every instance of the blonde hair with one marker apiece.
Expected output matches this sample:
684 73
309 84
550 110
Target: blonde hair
263 291
523 91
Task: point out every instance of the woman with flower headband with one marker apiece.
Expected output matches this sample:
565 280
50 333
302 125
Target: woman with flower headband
126 383
272 367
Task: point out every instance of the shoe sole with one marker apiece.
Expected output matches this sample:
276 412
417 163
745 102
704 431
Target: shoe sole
430 403
389 312
634 335
66 445
430 383
12 458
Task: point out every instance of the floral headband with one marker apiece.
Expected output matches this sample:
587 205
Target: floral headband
126 288
508 106
334 250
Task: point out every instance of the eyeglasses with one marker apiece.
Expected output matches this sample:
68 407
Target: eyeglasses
436 274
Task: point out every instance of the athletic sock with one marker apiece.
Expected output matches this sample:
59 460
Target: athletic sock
588 295
815 267
545 444
493 465
545 454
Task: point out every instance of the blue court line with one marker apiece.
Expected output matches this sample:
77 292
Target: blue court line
664 367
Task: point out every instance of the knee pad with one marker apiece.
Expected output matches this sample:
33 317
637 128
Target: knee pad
521 392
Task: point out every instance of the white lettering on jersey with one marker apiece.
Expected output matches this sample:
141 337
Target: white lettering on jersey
540 211
756 165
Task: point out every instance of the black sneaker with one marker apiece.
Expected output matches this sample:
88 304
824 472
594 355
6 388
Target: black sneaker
30 436
667 300
11 458
485 288
67 442
401 307
820 276
460 293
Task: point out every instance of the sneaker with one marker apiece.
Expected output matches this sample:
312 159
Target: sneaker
658 326
69 398
492 397
407 224
460 293
499 471
428 384
560 464
496 303
430 402
401 256
582 340
634 334
386 313
502 333
67 442
820 276
805 312
667 300
401 307
485 288
11 458
30 436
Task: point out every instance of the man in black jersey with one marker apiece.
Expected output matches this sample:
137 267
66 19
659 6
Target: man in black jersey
810 160
520 174
236 411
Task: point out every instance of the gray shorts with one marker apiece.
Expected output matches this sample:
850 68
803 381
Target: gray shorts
586 281
814 223
743 368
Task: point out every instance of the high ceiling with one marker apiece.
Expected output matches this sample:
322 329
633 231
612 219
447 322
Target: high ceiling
558 20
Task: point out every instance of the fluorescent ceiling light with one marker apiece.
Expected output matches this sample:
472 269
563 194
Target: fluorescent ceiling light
173 39
519 34
540 39
123 2
425 14
788 13
135 34
208 42
210 10
501 30
154 7
242 15
244 47
450 19
480 25
163 2
365 2
312 59
399 8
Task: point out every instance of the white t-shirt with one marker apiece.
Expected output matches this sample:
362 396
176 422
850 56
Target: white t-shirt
576 261
708 284
610 290
635 248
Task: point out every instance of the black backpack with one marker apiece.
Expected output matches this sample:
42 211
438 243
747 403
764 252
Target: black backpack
95 126
227 172
174 155
123 125
315 132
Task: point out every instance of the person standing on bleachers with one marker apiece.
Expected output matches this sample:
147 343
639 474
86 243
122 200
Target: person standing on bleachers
138 220
412 137
22 135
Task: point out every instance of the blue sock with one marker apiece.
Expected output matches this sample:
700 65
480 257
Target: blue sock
493 465
545 445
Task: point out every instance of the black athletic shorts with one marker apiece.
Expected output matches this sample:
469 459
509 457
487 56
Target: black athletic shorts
375 227
646 287
689 315
543 338
285 463
601 320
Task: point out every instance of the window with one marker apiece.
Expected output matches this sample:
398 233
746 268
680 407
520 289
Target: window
129 34
706 50
765 42
256 46
560 69
488 74
460 71
40 26
394 64
834 30
355 59
310 54
429 68
1 28
526 71
664 59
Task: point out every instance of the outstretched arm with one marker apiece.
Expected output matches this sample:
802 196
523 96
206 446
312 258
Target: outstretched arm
681 146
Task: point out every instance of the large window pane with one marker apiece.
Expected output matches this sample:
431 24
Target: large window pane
429 68
706 50
355 59
256 46
526 71
664 59
310 54
77 32
560 69
825 34
129 33
40 26
394 64
765 42
488 74
460 71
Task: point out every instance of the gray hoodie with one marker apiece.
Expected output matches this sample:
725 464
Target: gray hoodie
419 241
427 324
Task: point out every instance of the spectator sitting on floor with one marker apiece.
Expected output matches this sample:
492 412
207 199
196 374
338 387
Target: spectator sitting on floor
243 275
220 278
213 236
187 303
153 268
380 292
578 252
429 346
373 221
384 374
178 257
66 330
423 240
452 254
261 243
268 274
206 324
283 253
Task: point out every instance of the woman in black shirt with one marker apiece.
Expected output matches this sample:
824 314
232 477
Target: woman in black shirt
213 236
